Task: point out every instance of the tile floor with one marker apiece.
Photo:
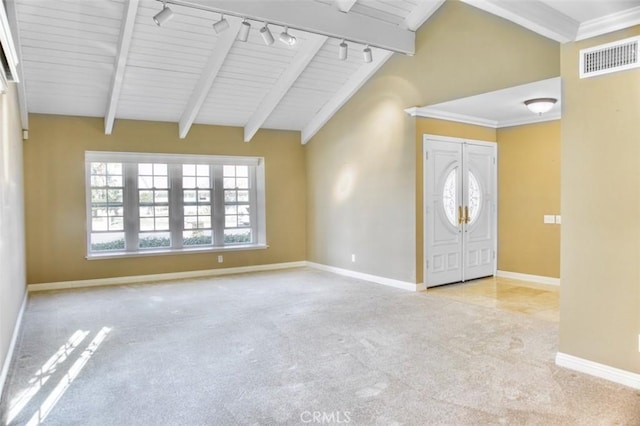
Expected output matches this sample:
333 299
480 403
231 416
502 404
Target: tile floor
537 300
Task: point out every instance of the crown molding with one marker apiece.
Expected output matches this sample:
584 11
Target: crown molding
549 22
549 116
609 23
533 15
427 112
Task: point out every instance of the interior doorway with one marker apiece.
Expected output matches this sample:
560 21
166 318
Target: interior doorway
460 209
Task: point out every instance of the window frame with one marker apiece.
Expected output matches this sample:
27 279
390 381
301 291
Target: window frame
131 205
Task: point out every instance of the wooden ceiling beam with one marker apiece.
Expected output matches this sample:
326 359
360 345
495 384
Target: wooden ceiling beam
201 90
315 17
126 33
301 60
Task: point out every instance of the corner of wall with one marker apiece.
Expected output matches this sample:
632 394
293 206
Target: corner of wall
12 249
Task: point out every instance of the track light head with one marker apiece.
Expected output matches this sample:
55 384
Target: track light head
342 51
368 56
287 38
221 25
163 16
243 34
266 35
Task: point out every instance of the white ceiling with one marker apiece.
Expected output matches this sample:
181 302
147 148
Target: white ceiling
586 10
501 108
561 20
565 20
109 59
106 58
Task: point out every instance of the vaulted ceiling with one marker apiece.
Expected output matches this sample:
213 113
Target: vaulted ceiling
107 58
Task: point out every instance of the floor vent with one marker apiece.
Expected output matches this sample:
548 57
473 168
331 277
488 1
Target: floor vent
611 57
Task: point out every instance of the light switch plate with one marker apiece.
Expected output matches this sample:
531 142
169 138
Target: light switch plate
558 221
549 218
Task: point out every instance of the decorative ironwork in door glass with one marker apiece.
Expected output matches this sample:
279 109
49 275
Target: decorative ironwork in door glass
475 198
449 196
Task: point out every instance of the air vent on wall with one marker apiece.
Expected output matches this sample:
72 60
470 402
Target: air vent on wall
611 57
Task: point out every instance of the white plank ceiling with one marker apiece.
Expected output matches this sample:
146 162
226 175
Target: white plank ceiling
107 58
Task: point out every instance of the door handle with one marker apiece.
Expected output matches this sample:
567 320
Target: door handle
460 216
467 219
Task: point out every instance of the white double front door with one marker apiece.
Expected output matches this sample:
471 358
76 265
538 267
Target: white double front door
460 200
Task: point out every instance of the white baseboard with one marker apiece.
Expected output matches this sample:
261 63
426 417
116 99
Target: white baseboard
404 285
602 371
63 285
12 346
526 277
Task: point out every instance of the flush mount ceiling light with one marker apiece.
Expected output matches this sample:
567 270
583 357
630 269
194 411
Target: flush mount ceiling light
368 56
221 25
266 35
540 105
342 51
287 38
243 34
163 16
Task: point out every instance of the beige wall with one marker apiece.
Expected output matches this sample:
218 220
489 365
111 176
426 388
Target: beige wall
12 257
529 188
441 128
463 51
460 51
360 175
600 265
55 194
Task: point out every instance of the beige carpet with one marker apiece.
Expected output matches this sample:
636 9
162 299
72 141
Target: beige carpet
293 347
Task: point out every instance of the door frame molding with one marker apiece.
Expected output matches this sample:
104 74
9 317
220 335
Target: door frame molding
431 137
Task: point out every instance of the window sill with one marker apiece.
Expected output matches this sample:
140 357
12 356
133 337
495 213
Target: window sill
170 252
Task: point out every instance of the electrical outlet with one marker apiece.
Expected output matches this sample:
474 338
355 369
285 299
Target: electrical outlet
558 219
549 218
353 257
220 259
